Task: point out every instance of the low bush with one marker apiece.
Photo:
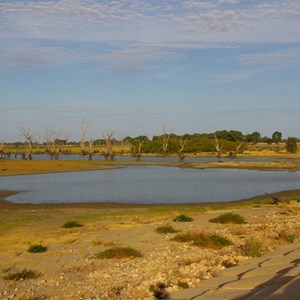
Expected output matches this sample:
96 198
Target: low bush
229 218
202 239
182 285
22 275
286 236
252 247
118 252
183 218
37 249
159 291
72 224
166 229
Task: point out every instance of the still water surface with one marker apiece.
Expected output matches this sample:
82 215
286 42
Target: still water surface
148 184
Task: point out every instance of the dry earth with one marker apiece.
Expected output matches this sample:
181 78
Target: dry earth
69 270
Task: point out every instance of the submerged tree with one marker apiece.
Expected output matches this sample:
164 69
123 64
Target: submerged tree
108 137
181 155
27 134
84 127
218 147
51 137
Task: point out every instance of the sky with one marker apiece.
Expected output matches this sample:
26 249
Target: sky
137 67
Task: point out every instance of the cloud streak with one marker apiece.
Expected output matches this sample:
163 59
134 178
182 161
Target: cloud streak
127 36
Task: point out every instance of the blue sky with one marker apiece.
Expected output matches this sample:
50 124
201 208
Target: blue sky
137 66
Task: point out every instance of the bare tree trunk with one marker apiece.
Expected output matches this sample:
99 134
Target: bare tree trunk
1 149
108 137
29 140
233 154
67 136
83 126
51 137
181 155
139 154
165 141
218 147
91 143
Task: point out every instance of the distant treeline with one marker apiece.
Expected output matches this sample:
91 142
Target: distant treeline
169 143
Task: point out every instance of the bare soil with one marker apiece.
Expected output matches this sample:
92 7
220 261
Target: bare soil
69 269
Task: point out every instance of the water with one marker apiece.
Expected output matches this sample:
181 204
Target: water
170 159
148 184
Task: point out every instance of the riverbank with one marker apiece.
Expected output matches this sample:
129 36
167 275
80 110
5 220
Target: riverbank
22 167
69 269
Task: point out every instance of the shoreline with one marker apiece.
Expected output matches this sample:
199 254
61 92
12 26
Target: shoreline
20 168
246 201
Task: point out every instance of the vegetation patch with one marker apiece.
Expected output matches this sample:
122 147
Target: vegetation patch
183 218
286 236
118 252
37 249
22 275
227 218
72 224
166 229
182 285
252 247
202 239
159 291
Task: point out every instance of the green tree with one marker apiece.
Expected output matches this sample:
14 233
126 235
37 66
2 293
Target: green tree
291 145
254 137
276 137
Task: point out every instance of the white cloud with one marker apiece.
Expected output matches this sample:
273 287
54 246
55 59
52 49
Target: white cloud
271 58
135 33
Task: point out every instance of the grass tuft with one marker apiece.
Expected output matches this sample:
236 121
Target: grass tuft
286 236
72 224
252 247
22 275
118 252
226 218
202 239
165 229
37 249
183 218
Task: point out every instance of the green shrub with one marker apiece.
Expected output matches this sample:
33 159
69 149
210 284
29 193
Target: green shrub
286 236
202 239
252 247
183 218
182 285
166 229
159 291
118 252
72 224
22 275
229 218
37 249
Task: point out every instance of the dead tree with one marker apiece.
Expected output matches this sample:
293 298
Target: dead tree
165 141
91 144
67 136
233 154
278 200
27 134
218 147
51 136
181 155
139 153
108 137
83 126
2 155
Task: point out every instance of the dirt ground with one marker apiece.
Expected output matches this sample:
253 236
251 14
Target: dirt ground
69 269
